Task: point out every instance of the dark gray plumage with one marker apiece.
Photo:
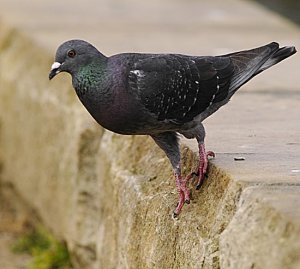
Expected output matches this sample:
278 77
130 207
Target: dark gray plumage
161 94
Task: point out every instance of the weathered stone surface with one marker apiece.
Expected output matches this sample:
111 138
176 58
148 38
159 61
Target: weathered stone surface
111 197
145 198
265 231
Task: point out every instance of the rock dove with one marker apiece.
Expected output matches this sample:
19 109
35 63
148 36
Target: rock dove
161 95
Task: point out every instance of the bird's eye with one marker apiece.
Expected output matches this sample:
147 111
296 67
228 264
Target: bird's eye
71 53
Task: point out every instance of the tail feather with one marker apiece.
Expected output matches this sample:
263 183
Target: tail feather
277 57
251 62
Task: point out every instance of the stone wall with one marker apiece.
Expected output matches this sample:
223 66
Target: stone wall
111 197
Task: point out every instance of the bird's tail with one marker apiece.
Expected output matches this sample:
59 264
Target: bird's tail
277 57
249 63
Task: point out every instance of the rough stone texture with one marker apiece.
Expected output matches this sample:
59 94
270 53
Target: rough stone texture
269 221
111 197
145 203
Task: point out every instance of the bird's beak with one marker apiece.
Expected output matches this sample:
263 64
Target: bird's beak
55 69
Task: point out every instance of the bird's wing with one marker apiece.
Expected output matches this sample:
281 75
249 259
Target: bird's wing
177 87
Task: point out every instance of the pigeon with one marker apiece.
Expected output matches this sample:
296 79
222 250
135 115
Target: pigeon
161 95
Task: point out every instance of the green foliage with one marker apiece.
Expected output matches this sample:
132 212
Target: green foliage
47 252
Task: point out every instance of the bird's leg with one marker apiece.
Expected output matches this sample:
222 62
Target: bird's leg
184 193
199 133
203 163
168 142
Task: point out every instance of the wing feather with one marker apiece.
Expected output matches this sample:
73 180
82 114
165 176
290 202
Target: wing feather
177 87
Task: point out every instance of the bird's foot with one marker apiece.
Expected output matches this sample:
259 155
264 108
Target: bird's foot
181 183
184 194
203 165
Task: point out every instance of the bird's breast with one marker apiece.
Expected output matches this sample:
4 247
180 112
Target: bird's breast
116 112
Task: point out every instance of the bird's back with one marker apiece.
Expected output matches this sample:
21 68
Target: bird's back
179 89
162 92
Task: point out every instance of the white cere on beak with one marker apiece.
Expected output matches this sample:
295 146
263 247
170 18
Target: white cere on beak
55 65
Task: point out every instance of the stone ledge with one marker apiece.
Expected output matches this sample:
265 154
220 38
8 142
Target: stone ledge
111 197
265 231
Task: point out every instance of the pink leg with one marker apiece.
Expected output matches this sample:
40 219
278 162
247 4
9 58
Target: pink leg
184 193
203 164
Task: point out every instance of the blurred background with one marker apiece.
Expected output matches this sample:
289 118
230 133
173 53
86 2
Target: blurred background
192 27
288 8
114 25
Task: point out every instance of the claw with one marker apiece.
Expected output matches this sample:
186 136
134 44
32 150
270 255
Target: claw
199 185
195 174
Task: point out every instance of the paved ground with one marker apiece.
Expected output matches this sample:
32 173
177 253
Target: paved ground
261 123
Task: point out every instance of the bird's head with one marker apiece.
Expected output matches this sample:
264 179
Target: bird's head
71 55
